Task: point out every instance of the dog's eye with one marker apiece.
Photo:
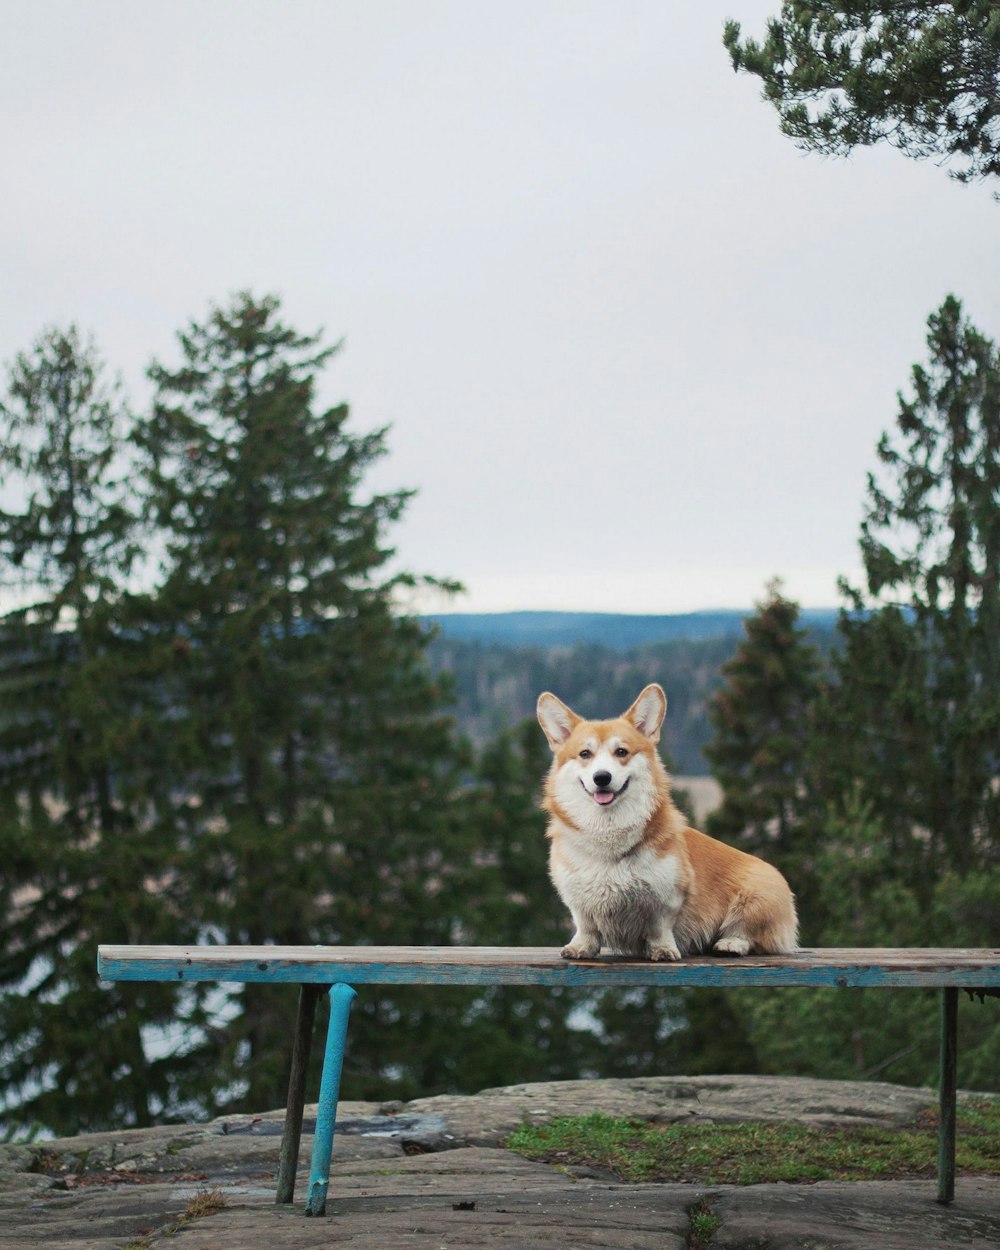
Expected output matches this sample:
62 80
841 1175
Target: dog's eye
622 753
585 754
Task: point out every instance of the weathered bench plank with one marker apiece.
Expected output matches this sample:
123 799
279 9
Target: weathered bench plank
487 965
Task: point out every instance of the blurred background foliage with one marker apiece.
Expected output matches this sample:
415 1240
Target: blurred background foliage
217 724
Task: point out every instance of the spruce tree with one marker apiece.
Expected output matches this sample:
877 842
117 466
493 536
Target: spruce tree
760 718
314 764
79 864
919 674
901 808
857 897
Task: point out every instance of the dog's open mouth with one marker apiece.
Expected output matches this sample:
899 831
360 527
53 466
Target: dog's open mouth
604 797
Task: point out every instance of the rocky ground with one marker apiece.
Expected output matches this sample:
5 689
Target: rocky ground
433 1173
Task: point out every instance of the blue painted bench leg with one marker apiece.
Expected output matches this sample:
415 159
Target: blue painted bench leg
341 997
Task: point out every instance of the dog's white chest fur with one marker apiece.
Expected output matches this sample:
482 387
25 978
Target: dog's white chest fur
626 899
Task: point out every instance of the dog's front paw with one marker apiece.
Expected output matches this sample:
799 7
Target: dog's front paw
669 954
731 946
580 950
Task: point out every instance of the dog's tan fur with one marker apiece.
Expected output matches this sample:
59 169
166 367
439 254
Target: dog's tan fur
634 876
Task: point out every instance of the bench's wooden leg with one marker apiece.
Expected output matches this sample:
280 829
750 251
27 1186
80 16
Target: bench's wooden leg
292 1136
341 997
948 1085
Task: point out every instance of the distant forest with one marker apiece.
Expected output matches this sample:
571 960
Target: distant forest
496 684
618 631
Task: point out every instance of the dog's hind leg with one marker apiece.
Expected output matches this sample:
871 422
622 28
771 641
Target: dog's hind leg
735 932
759 924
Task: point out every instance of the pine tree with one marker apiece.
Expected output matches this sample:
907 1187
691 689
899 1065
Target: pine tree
919 675
921 77
314 764
79 864
760 718
858 899
902 810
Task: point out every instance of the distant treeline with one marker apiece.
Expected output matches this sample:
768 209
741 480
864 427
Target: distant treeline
617 631
496 686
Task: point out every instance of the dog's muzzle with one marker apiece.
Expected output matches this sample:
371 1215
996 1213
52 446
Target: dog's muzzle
603 795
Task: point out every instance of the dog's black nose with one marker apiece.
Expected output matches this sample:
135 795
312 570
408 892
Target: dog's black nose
602 780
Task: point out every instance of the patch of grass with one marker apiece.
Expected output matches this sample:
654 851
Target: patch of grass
704 1222
205 1202
755 1152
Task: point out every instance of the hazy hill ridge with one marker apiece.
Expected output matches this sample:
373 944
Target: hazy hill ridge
596 662
618 631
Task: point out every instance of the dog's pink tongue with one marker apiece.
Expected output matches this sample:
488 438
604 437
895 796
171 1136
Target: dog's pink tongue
604 796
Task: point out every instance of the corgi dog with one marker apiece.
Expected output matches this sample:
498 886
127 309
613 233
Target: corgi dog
635 878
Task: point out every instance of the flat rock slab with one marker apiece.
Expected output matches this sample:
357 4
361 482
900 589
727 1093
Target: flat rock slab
838 1215
620 1218
432 1173
98 1218
494 1210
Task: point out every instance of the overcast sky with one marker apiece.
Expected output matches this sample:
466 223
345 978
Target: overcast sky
635 348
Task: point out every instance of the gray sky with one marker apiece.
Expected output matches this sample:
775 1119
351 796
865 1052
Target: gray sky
636 350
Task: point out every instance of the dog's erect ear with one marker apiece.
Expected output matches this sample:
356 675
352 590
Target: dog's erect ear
648 711
556 719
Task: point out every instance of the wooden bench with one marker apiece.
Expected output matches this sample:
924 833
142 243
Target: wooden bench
339 968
